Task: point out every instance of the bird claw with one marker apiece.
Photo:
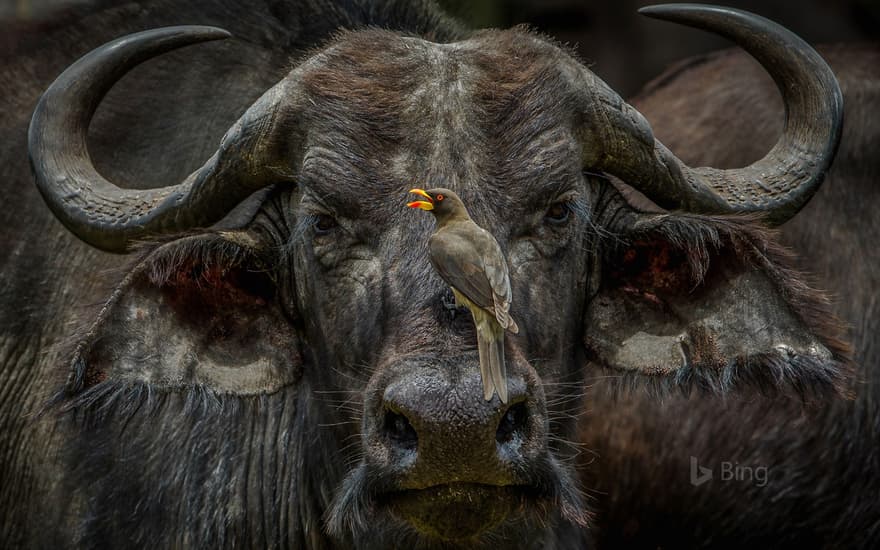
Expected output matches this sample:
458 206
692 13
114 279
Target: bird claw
448 304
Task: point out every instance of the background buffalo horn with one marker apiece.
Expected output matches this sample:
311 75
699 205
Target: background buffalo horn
619 141
99 212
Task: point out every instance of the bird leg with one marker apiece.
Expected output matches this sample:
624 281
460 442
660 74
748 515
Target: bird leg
452 305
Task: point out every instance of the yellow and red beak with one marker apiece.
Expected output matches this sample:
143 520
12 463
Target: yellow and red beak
424 205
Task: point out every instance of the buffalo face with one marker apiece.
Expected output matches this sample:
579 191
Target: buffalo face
434 458
302 368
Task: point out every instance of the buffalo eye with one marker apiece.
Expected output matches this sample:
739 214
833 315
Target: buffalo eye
557 213
324 223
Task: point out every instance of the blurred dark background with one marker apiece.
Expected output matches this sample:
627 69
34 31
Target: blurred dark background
627 49
623 48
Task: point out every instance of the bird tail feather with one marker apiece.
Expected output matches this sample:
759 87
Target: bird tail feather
497 368
484 345
490 344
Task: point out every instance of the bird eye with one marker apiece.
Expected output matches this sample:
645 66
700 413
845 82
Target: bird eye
324 223
557 213
439 197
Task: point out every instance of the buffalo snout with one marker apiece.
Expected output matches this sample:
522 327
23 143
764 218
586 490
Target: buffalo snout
445 462
430 425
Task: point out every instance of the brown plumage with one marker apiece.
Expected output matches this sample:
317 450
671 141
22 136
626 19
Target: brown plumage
469 259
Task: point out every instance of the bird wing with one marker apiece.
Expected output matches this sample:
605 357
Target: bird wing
469 259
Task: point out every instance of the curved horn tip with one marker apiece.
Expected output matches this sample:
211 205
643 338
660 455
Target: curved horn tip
670 11
172 37
200 33
731 23
208 32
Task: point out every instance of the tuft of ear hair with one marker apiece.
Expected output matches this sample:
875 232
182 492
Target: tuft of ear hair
197 311
709 302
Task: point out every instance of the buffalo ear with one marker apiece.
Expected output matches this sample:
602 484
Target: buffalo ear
706 302
197 311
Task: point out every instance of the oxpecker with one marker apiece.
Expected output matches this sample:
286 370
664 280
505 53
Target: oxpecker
470 260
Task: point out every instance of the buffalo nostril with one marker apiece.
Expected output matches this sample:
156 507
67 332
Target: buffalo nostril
399 430
513 424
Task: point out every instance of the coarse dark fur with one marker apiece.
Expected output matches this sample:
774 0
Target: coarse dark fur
136 451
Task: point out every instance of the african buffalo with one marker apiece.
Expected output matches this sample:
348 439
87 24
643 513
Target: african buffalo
273 362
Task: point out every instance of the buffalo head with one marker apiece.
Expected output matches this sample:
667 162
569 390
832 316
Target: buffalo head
298 370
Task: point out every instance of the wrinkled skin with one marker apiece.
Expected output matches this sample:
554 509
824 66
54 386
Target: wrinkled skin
233 386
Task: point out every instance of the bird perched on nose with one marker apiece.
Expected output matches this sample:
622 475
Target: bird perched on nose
469 259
